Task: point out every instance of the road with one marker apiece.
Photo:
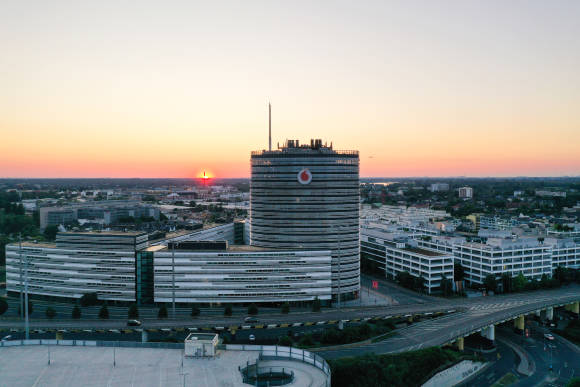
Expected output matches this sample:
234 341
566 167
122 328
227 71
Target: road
473 314
507 362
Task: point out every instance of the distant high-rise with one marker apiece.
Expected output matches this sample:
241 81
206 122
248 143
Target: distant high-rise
466 192
307 197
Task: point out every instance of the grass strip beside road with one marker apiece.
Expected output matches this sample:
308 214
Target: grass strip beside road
506 380
571 332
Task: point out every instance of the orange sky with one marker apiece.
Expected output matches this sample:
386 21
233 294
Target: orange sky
455 89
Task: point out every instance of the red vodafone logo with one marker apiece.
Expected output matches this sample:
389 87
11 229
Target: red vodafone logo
304 176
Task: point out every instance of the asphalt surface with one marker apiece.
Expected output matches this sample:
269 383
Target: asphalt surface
507 362
473 314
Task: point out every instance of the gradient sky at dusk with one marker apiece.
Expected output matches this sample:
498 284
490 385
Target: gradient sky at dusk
170 89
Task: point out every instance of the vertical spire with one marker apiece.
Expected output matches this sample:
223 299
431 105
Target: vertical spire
269 126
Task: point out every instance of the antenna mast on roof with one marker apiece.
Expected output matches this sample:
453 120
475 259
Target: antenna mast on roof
269 126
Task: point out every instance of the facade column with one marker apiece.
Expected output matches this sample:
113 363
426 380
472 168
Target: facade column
144 336
550 313
461 344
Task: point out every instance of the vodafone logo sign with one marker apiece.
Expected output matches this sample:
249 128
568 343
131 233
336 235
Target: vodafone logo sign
304 176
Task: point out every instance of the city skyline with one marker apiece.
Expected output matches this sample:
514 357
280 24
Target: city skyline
452 89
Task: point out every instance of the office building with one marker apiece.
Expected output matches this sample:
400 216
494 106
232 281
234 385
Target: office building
466 192
78 263
104 212
307 197
565 252
497 223
498 256
393 253
202 272
437 187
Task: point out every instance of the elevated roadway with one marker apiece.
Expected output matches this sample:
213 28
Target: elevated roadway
471 315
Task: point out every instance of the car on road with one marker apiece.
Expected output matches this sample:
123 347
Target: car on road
133 323
548 336
6 338
252 338
251 320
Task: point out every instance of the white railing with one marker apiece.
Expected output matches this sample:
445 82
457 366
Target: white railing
289 353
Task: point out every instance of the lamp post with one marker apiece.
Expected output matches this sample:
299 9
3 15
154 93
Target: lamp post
21 281
26 323
173 278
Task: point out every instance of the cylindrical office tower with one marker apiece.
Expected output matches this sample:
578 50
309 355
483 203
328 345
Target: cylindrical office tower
307 197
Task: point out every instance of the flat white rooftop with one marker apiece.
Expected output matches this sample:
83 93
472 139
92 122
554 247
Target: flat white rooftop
93 366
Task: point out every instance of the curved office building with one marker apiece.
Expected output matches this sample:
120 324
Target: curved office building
307 197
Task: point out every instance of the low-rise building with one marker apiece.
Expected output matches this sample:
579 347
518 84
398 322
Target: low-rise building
238 274
394 253
436 187
466 192
498 256
78 263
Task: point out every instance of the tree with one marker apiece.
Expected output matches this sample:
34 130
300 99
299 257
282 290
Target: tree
506 281
458 272
76 312
490 282
89 299
50 232
133 312
306 341
104 312
162 312
50 312
446 286
419 284
561 274
285 341
228 310
405 279
519 282
252 309
316 304
285 308
195 311
3 306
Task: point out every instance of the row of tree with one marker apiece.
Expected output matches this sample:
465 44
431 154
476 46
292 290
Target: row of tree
404 369
562 275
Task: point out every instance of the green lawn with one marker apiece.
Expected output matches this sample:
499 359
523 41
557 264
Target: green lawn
506 380
572 331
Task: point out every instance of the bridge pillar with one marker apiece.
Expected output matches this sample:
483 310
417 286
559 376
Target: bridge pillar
575 307
489 332
550 313
144 336
519 322
461 343
59 335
